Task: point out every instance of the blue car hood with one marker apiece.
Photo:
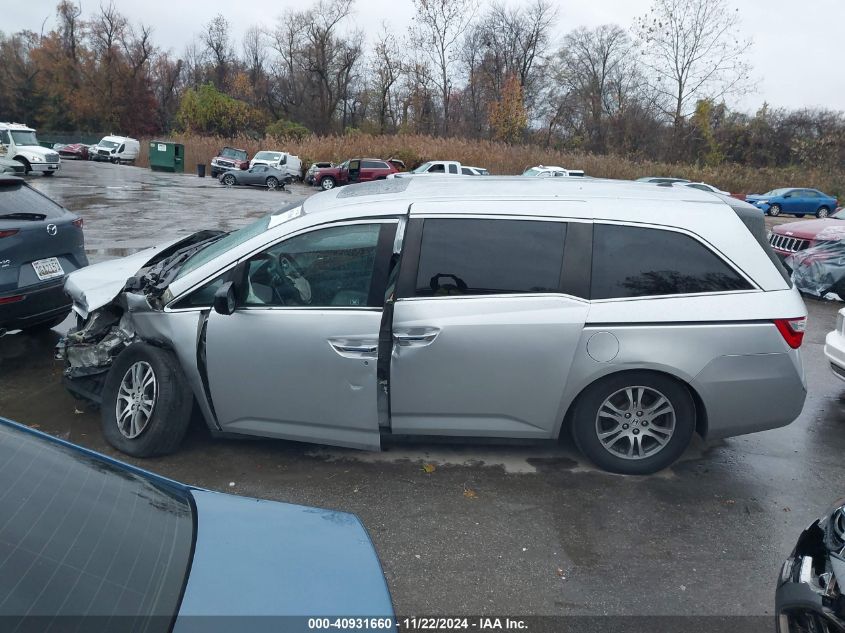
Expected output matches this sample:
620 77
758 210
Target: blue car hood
277 560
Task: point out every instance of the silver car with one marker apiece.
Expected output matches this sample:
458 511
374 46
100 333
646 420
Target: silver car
628 315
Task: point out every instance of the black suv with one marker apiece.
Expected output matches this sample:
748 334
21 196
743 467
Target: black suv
40 243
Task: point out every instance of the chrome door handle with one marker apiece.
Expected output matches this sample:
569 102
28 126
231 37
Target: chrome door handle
355 348
416 336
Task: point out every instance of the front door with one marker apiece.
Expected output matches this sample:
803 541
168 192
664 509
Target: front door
483 334
354 170
297 359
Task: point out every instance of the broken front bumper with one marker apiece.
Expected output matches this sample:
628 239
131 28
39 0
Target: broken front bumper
809 596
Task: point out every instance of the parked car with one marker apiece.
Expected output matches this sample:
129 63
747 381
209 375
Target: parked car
314 168
229 158
116 149
299 327
793 237
11 167
810 594
466 170
437 167
287 163
91 537
798 202
352 171
661 180
40 243
259 175
18 142
834 350
541 171
703 186
77 151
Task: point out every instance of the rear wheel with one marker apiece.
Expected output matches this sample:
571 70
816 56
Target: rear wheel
774 210
823 212
634 423
327 183
272 182
146 402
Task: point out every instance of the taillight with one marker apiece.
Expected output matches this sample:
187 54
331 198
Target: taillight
13 299
792 330
78 223
8 232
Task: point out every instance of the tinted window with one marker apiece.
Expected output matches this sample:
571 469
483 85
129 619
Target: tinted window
19 198
84 537
637 262
466 171
453 169
436 169
326 267
478 257
374 164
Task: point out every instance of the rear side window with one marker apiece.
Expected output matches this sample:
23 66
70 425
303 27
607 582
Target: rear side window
633 261
20 199
482 257
375 164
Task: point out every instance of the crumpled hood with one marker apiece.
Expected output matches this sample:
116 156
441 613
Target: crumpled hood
96 285
277 560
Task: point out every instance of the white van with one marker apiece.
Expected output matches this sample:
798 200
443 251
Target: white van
116 149
282 161
18 142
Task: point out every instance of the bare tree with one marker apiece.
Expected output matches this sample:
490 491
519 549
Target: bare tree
386 70
438 27
217 42
693 51
69 26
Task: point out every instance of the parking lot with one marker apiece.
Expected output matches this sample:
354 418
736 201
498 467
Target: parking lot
477 528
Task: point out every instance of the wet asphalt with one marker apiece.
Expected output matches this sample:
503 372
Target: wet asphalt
491 529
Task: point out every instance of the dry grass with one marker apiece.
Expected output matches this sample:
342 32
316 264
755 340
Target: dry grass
501 158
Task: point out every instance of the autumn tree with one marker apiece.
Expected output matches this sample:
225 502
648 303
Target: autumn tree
508 118
206 110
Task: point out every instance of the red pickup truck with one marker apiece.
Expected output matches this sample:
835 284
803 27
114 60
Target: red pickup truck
354 170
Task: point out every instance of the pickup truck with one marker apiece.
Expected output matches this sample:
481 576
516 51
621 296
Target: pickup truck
354 170
229 158
447 167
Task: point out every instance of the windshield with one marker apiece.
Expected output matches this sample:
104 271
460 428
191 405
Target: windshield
776 192
24 138
534 171
839 215
228 152
271 156
108 144
422 168
94 538
236 238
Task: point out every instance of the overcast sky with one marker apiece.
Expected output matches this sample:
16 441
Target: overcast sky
796 54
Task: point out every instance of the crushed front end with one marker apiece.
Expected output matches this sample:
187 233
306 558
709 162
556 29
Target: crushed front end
810 595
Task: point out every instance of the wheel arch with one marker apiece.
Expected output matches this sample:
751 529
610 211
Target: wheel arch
701 423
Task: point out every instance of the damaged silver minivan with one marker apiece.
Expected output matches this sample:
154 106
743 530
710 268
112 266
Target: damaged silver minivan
628 315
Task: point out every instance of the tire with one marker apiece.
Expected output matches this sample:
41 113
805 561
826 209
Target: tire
327 183
228 180
823 212
272 183
27 166
674 425
774 210
162 430
49 173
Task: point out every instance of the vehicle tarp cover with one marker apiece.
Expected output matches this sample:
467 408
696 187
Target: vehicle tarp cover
820 270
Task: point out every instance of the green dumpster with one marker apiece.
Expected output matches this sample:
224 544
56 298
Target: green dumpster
167 156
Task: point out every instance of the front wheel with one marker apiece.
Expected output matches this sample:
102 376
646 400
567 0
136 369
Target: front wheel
228 180
146 402
272 182
634 423
823 212
774 210
327 183
49 173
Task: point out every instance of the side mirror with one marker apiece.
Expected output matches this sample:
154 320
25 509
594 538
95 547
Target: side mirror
224 299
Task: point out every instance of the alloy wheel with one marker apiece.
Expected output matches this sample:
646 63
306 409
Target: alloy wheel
136 399
635 422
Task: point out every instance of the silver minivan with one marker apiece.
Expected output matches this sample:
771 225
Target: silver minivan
628 315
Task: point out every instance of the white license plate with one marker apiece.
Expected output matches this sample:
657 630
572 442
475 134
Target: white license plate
48 268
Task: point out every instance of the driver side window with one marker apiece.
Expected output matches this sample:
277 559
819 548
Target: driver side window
331 267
